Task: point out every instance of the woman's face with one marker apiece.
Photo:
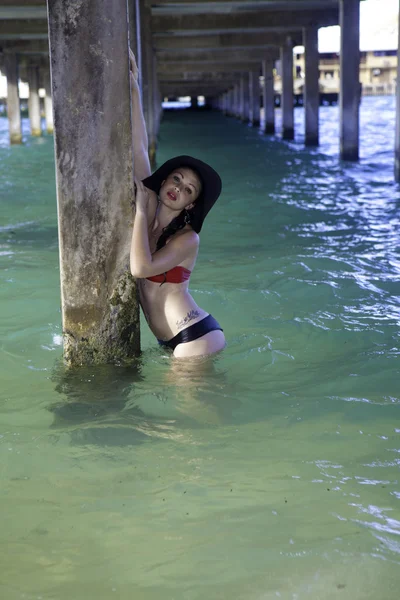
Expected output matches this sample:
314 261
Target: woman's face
181 189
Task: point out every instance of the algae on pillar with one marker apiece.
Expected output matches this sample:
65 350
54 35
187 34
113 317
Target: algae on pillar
34 100
13 104
94 165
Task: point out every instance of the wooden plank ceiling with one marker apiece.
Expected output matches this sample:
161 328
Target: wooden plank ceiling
201 46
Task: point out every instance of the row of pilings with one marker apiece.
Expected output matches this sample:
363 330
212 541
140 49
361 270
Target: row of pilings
243 99
37 74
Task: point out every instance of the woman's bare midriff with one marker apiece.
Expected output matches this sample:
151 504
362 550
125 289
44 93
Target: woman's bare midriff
166 306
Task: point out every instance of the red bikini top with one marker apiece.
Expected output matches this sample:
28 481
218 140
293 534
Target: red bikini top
175 275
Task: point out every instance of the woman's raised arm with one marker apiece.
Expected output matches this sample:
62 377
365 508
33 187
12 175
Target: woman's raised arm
141 162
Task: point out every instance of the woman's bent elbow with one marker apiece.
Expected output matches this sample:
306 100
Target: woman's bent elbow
135 270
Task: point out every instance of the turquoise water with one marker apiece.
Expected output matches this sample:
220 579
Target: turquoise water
272 473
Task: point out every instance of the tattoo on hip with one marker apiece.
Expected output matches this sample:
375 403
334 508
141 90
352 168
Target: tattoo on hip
192 314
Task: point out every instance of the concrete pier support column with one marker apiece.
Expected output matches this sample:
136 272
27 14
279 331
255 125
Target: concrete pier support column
230 102
268 96
13 105
397 141
134 32
287 90
254 98
226 103
34 101
244 97
94 164
311 87
156 100
236 101
148 78
48 101
349 78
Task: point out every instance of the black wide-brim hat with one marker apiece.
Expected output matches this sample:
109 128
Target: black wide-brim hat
211 185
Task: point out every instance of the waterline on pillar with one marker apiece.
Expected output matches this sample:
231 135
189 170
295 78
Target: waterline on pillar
288 133
269 128
15 138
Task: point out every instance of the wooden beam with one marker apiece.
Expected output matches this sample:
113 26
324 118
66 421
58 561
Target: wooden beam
256 21
22 29
25 46
232 41
204 6
206 67
199 90
22 12
194 78
14 3
224 54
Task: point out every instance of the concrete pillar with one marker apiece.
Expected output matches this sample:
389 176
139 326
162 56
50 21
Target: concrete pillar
397 141
254 98
237 100
349 78
13 106
135 37
156 100
244 97
287 90
241 98
134 28
230 102
148 78
94 165
311 86
268 96
48 101
225 103
34 101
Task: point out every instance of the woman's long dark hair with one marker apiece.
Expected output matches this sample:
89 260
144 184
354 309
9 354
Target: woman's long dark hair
176 224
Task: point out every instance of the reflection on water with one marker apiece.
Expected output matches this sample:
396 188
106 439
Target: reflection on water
109 405
270 470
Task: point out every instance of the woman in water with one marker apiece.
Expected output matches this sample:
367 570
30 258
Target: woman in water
171 205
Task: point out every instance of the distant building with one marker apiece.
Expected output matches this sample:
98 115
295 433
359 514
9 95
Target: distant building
378 72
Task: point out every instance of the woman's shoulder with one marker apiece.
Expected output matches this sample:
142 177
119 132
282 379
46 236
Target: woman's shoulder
189 235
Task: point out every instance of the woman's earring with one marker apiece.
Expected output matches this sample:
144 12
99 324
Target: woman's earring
187 217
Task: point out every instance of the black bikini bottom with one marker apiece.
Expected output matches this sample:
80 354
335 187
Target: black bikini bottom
193 332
